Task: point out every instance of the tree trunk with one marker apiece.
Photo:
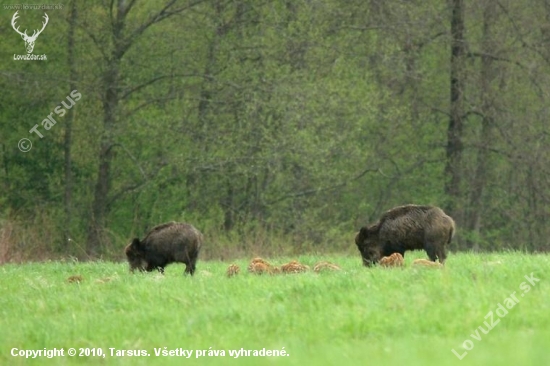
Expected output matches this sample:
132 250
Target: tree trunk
454 131
110 102
479 180
67 141
101 192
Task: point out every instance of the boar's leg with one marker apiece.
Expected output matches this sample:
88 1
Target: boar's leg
441 254
161 270
190 266
430 249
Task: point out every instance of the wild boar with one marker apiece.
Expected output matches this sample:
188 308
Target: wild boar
294 267
405 228
393 260
426 263
164 244
232 270
325 266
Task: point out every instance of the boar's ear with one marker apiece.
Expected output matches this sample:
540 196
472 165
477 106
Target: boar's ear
136 243
364 232
360 236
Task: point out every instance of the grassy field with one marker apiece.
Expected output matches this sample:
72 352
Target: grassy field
358 316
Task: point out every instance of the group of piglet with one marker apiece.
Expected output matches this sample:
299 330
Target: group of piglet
260 266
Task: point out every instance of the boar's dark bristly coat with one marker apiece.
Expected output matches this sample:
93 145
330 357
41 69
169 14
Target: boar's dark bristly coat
404 228
165 244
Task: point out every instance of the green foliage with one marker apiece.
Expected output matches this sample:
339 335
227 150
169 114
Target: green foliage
305 119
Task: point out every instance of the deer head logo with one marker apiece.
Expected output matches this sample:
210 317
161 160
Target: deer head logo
29 40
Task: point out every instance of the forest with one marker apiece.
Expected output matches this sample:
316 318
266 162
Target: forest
273 126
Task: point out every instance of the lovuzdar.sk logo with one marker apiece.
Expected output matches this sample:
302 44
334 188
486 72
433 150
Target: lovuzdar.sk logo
29 40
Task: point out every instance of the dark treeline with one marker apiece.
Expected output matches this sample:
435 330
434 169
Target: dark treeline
282 125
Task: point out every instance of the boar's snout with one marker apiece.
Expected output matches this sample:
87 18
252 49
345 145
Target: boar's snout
135 258
368 262
370 255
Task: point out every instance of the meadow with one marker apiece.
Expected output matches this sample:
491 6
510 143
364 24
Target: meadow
356 316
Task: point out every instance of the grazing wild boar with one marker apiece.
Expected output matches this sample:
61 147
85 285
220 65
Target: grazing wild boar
393 260
260 266
325 266
294 267
426 263
406 228
165 244
232 270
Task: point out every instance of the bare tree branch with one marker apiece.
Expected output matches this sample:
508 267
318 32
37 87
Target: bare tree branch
323 189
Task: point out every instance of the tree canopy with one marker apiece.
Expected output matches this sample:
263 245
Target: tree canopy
273 124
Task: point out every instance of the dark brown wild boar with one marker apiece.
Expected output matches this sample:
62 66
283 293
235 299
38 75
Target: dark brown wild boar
165 244
406 228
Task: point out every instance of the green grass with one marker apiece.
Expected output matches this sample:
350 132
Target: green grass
359 316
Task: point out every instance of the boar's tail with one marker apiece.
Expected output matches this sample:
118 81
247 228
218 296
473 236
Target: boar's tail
451 233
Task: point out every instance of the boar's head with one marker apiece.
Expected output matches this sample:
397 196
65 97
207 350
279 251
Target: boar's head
367 243
135 256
